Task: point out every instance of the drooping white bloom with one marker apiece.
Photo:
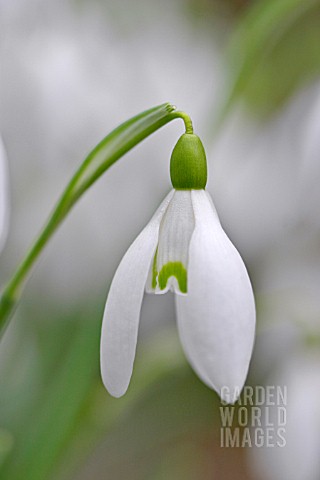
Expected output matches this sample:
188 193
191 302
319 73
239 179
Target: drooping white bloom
3 196
183 249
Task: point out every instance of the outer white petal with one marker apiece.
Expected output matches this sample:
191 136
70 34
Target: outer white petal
122 310
216 319
4 201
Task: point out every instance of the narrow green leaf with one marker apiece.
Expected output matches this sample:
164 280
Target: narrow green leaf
51 427
116 144
260 31
102 157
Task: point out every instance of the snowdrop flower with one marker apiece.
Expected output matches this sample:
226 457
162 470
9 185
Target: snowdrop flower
185 250
3 196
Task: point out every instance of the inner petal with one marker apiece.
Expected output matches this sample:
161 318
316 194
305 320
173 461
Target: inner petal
170 263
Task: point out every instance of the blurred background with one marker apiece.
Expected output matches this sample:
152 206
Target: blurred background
248 73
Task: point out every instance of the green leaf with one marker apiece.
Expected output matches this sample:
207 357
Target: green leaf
272 52
102 157
50 428
116 144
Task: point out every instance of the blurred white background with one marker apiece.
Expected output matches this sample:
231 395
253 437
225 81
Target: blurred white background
71 71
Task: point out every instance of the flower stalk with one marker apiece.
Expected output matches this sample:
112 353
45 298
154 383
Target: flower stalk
99 160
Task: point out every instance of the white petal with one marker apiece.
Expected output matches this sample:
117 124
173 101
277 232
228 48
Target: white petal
216 319
122 311
4 203
170 264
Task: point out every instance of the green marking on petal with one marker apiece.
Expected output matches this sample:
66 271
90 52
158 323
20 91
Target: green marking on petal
173 269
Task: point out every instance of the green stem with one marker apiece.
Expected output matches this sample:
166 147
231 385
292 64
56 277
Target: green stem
187 121
105 154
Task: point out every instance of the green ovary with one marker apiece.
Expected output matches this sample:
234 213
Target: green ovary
170 269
